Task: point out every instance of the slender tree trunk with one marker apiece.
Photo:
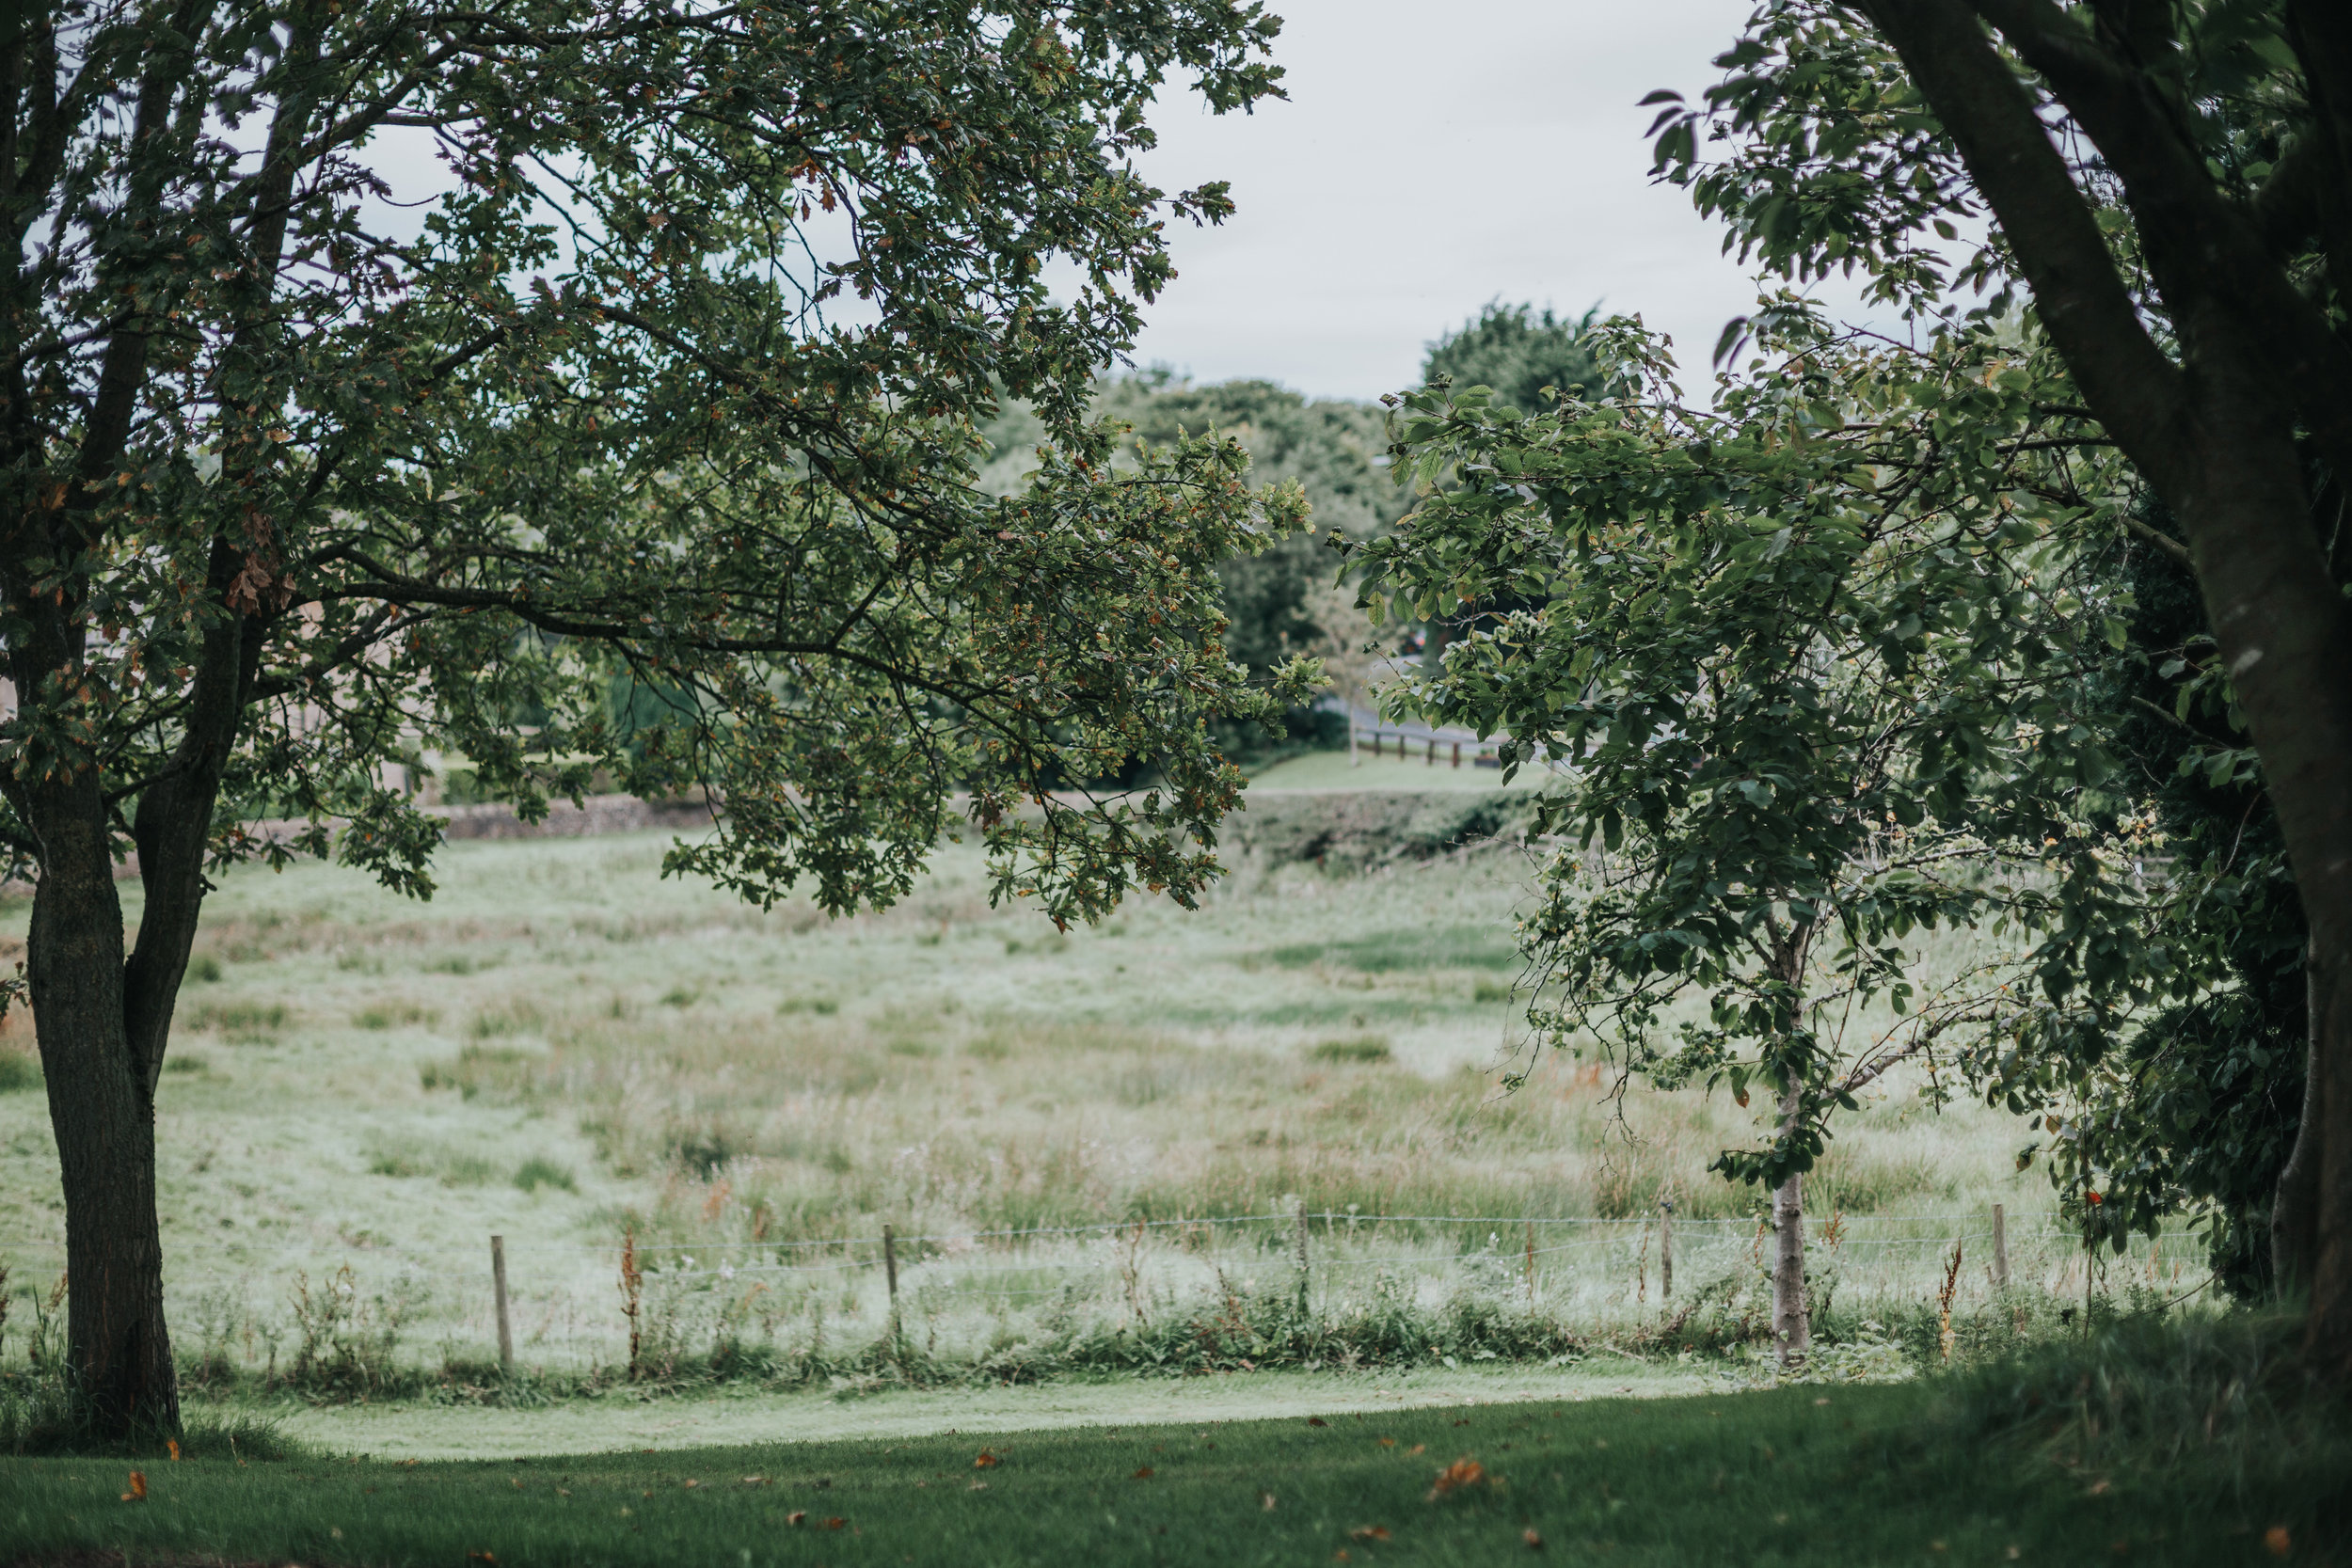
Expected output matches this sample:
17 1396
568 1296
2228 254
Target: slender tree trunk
1792 1328
102 1108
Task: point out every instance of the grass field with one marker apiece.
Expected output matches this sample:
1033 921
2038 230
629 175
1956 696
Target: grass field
562 1048
1797 1476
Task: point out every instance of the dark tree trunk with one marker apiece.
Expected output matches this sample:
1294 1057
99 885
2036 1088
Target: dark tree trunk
102 1107
2215 434
2286 636
103 1019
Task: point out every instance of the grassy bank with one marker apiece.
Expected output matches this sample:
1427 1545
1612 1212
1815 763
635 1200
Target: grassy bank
1804 1475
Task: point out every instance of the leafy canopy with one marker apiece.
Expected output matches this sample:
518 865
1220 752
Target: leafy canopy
645 452
1814 661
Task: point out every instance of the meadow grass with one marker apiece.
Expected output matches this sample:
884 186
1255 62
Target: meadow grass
562 1048
1807 1474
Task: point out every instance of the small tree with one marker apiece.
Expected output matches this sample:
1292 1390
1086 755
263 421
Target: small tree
646 457
1817 664
2167 181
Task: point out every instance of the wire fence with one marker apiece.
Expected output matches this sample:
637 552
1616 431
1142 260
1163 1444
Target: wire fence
573 1303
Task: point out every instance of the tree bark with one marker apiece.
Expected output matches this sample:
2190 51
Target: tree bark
102 1112
1792 1328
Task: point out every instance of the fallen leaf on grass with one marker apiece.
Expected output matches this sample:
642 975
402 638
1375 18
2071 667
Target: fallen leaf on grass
1144 1474
1387 1442
979 1486
797 1517
689 1485
986 1461
138 1488
1317 1422
2277 1540
173 1443
754 1481
837 1523
482 1557
1265 1501
1535 1541
1418 1448
1369 1532
2099 1486
1453 1477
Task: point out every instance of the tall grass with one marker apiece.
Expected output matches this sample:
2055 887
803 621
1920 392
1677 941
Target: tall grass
564 1047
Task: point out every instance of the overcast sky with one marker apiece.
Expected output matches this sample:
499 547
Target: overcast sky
1431 158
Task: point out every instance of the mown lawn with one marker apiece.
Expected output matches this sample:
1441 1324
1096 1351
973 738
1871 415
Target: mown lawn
1799 1476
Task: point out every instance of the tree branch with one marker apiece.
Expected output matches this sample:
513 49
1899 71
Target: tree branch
2202 247
2136 393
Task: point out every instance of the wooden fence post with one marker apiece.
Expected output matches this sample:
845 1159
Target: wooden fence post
1666 1249
497 1284
1302 1257
890 1274
2000 1249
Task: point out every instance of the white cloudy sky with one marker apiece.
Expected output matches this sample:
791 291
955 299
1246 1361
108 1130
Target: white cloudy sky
1432 157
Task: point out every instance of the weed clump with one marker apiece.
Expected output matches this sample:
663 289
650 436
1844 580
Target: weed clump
2225 1406
19 1069
538 1171
1361 1050
39 1419
242 1023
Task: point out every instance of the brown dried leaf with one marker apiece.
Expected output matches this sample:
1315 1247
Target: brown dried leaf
1463 1472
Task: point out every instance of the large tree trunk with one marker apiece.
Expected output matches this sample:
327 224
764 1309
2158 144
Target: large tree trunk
2215 433
102 1107
2285 635
104 1021
2311 1220
1792 1328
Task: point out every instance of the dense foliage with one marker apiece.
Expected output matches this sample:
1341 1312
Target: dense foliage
1820 661
2164 178
1332 450
1519 354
